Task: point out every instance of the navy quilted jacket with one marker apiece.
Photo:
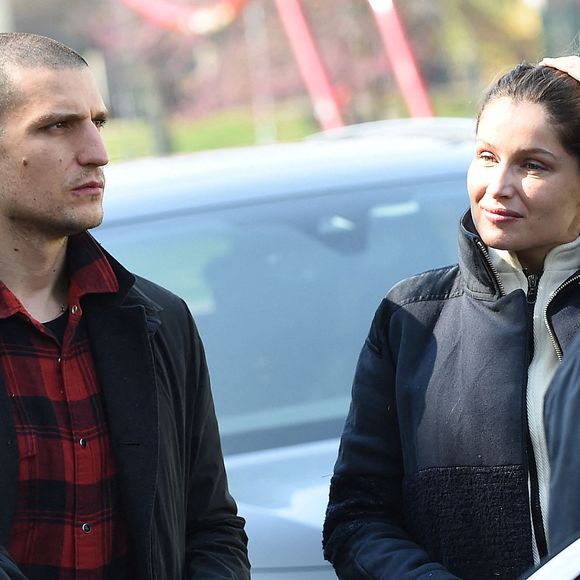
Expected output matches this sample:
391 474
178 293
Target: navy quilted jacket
431 480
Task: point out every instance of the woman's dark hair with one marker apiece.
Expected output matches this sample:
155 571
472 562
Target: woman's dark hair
555 90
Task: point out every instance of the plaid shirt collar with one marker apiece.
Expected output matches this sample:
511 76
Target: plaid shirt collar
88 269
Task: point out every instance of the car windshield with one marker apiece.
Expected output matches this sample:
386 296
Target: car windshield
283 294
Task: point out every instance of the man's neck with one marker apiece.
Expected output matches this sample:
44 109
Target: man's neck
33 269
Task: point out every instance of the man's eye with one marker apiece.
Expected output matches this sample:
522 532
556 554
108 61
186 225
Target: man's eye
100 123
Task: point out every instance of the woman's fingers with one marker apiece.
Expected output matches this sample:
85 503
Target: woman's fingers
567 64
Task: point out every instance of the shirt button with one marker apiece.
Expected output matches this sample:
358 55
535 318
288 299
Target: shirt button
74 309
82 442
86 528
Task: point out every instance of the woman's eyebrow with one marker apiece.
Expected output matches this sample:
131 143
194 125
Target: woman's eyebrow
540 151
525 150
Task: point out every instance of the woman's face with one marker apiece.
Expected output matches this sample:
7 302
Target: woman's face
524 187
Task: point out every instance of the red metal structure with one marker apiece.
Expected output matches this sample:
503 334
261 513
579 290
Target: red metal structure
326 108
187 19
401 58
219 14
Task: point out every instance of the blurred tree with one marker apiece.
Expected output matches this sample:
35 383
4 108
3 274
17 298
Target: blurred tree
467 42
158 74
562 26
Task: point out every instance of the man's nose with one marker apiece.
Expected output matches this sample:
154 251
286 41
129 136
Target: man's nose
92 150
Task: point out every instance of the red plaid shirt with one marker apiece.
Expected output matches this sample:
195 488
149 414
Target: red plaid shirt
68 523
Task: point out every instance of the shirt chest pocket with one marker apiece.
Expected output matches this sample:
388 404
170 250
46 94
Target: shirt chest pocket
28 454
27 491
28 467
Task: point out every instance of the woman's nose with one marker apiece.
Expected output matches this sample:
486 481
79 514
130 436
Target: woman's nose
501 182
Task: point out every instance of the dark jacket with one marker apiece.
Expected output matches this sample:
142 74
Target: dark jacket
152 371
431 480
562 423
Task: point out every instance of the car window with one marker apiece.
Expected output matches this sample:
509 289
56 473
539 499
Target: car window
283 293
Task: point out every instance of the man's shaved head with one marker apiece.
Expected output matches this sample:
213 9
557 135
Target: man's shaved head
25 50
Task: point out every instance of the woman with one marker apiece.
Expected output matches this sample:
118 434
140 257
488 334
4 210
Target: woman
442 470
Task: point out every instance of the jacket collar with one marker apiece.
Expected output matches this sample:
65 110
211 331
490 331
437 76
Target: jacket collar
125 279
475 264
129 294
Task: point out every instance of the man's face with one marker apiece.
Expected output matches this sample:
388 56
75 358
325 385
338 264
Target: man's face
52 153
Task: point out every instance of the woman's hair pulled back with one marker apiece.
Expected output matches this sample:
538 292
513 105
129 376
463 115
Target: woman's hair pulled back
555 90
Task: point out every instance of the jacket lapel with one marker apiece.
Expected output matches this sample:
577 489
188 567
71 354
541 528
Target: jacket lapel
124 363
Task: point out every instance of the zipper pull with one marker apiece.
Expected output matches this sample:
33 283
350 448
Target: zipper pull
533 282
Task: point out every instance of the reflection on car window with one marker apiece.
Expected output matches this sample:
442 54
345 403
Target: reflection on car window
284 292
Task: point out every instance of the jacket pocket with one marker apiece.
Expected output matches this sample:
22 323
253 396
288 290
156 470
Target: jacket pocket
474 520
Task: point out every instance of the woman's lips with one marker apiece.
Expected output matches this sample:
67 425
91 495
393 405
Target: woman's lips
500 215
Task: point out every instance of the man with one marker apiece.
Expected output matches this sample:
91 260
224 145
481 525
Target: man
110 461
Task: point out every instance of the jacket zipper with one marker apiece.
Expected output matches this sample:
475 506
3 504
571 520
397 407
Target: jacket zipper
555 344
491 267
531 296
536 513
536 510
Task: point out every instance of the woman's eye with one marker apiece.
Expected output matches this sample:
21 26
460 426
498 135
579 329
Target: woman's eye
534 166
486 157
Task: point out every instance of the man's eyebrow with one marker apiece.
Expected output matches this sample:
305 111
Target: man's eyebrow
56 116
101 115
63 117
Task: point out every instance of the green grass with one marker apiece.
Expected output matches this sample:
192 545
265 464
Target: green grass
126 139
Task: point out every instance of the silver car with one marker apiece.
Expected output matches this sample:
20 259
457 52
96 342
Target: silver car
283 253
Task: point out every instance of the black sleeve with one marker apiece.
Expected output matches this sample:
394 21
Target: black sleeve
364 535
216 541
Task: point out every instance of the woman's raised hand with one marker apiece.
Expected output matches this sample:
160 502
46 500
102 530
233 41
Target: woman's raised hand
567 64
